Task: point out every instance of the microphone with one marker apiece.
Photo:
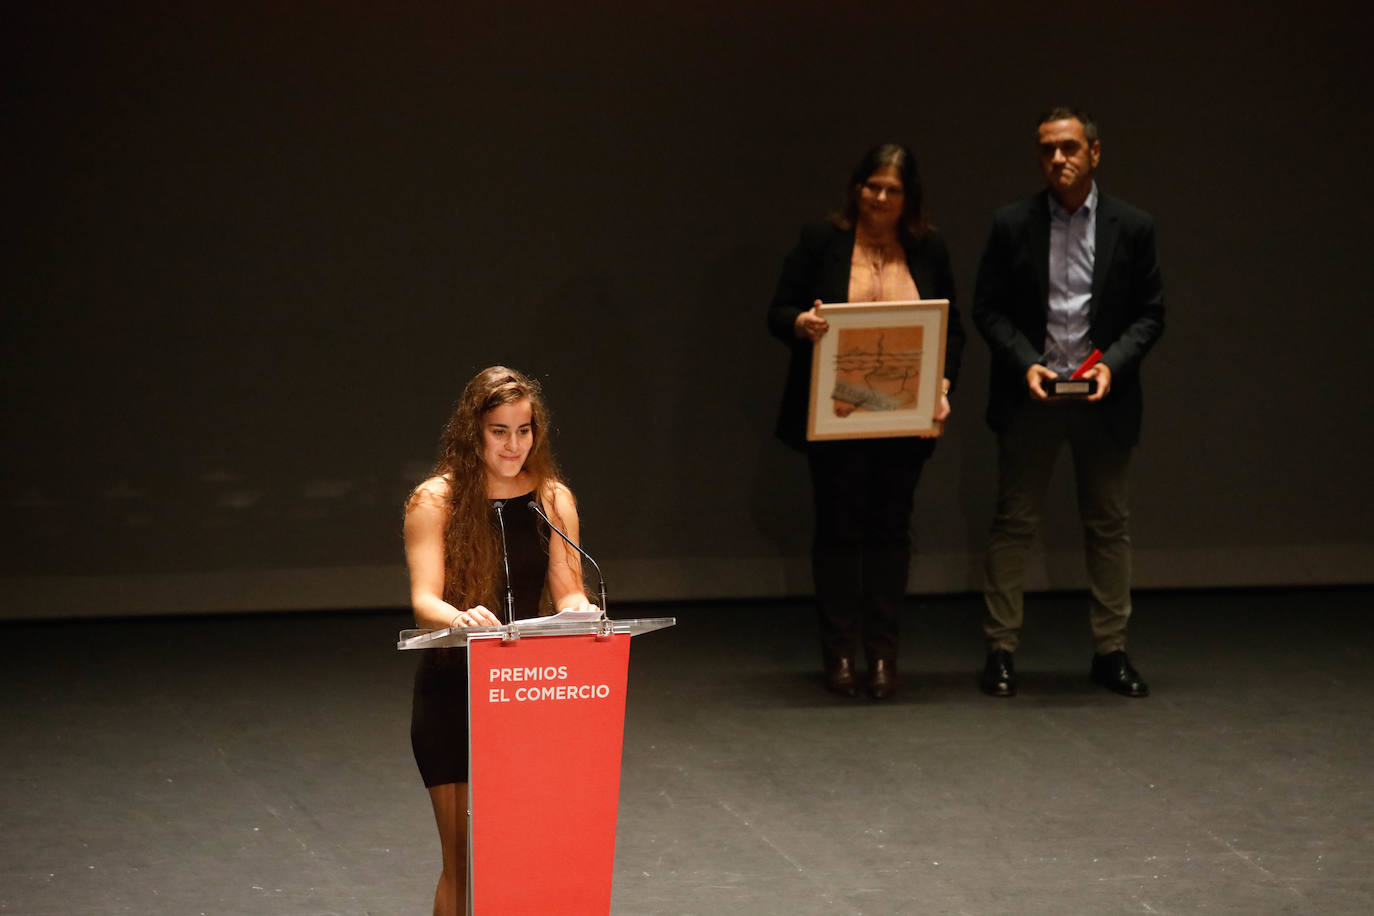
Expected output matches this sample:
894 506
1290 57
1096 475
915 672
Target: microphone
540 512
505 561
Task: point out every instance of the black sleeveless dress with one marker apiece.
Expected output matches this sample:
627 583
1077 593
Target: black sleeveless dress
439 707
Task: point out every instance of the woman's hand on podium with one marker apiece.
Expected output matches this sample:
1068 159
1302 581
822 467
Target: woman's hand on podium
474 617
577 603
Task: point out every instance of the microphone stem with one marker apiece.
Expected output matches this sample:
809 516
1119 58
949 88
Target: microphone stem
505 562
574 545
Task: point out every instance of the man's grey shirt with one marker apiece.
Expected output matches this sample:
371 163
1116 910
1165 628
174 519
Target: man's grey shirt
1073 244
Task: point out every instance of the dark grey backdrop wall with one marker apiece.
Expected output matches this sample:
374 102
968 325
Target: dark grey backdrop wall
252 252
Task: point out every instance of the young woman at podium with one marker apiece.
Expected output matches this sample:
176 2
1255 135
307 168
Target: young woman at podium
494 460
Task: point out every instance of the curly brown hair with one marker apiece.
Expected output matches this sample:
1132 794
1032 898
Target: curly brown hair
472 546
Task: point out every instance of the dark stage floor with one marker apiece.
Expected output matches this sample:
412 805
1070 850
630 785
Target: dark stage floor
261 765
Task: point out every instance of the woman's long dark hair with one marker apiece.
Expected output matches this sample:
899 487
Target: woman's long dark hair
472 547
913 223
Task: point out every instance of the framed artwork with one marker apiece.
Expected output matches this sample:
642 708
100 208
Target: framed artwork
877 371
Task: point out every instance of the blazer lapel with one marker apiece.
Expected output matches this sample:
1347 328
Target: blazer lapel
1040 245
835 274
1108 230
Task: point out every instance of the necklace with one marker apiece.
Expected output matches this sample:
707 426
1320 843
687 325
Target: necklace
877 257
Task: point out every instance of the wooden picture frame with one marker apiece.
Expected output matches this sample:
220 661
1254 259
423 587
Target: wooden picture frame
877 371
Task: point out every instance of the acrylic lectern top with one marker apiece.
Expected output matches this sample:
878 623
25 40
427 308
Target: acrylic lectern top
533 627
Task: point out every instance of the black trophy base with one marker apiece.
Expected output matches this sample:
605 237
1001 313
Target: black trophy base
1070 387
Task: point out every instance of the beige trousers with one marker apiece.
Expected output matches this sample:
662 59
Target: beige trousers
1025 462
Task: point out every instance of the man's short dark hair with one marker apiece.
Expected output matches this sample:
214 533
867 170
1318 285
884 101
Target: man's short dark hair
1064 113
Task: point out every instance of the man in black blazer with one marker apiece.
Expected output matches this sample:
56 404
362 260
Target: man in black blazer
1067 272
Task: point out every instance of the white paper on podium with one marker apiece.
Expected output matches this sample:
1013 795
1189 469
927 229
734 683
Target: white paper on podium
567 615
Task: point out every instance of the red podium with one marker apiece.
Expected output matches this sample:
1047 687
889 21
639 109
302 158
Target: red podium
546 715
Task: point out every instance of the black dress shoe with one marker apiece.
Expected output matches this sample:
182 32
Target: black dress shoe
1113 671
999 675
839 676
882 678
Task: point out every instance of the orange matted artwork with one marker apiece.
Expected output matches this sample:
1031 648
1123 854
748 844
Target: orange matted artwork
877 369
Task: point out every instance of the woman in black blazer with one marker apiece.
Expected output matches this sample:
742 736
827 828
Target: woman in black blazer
878 248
